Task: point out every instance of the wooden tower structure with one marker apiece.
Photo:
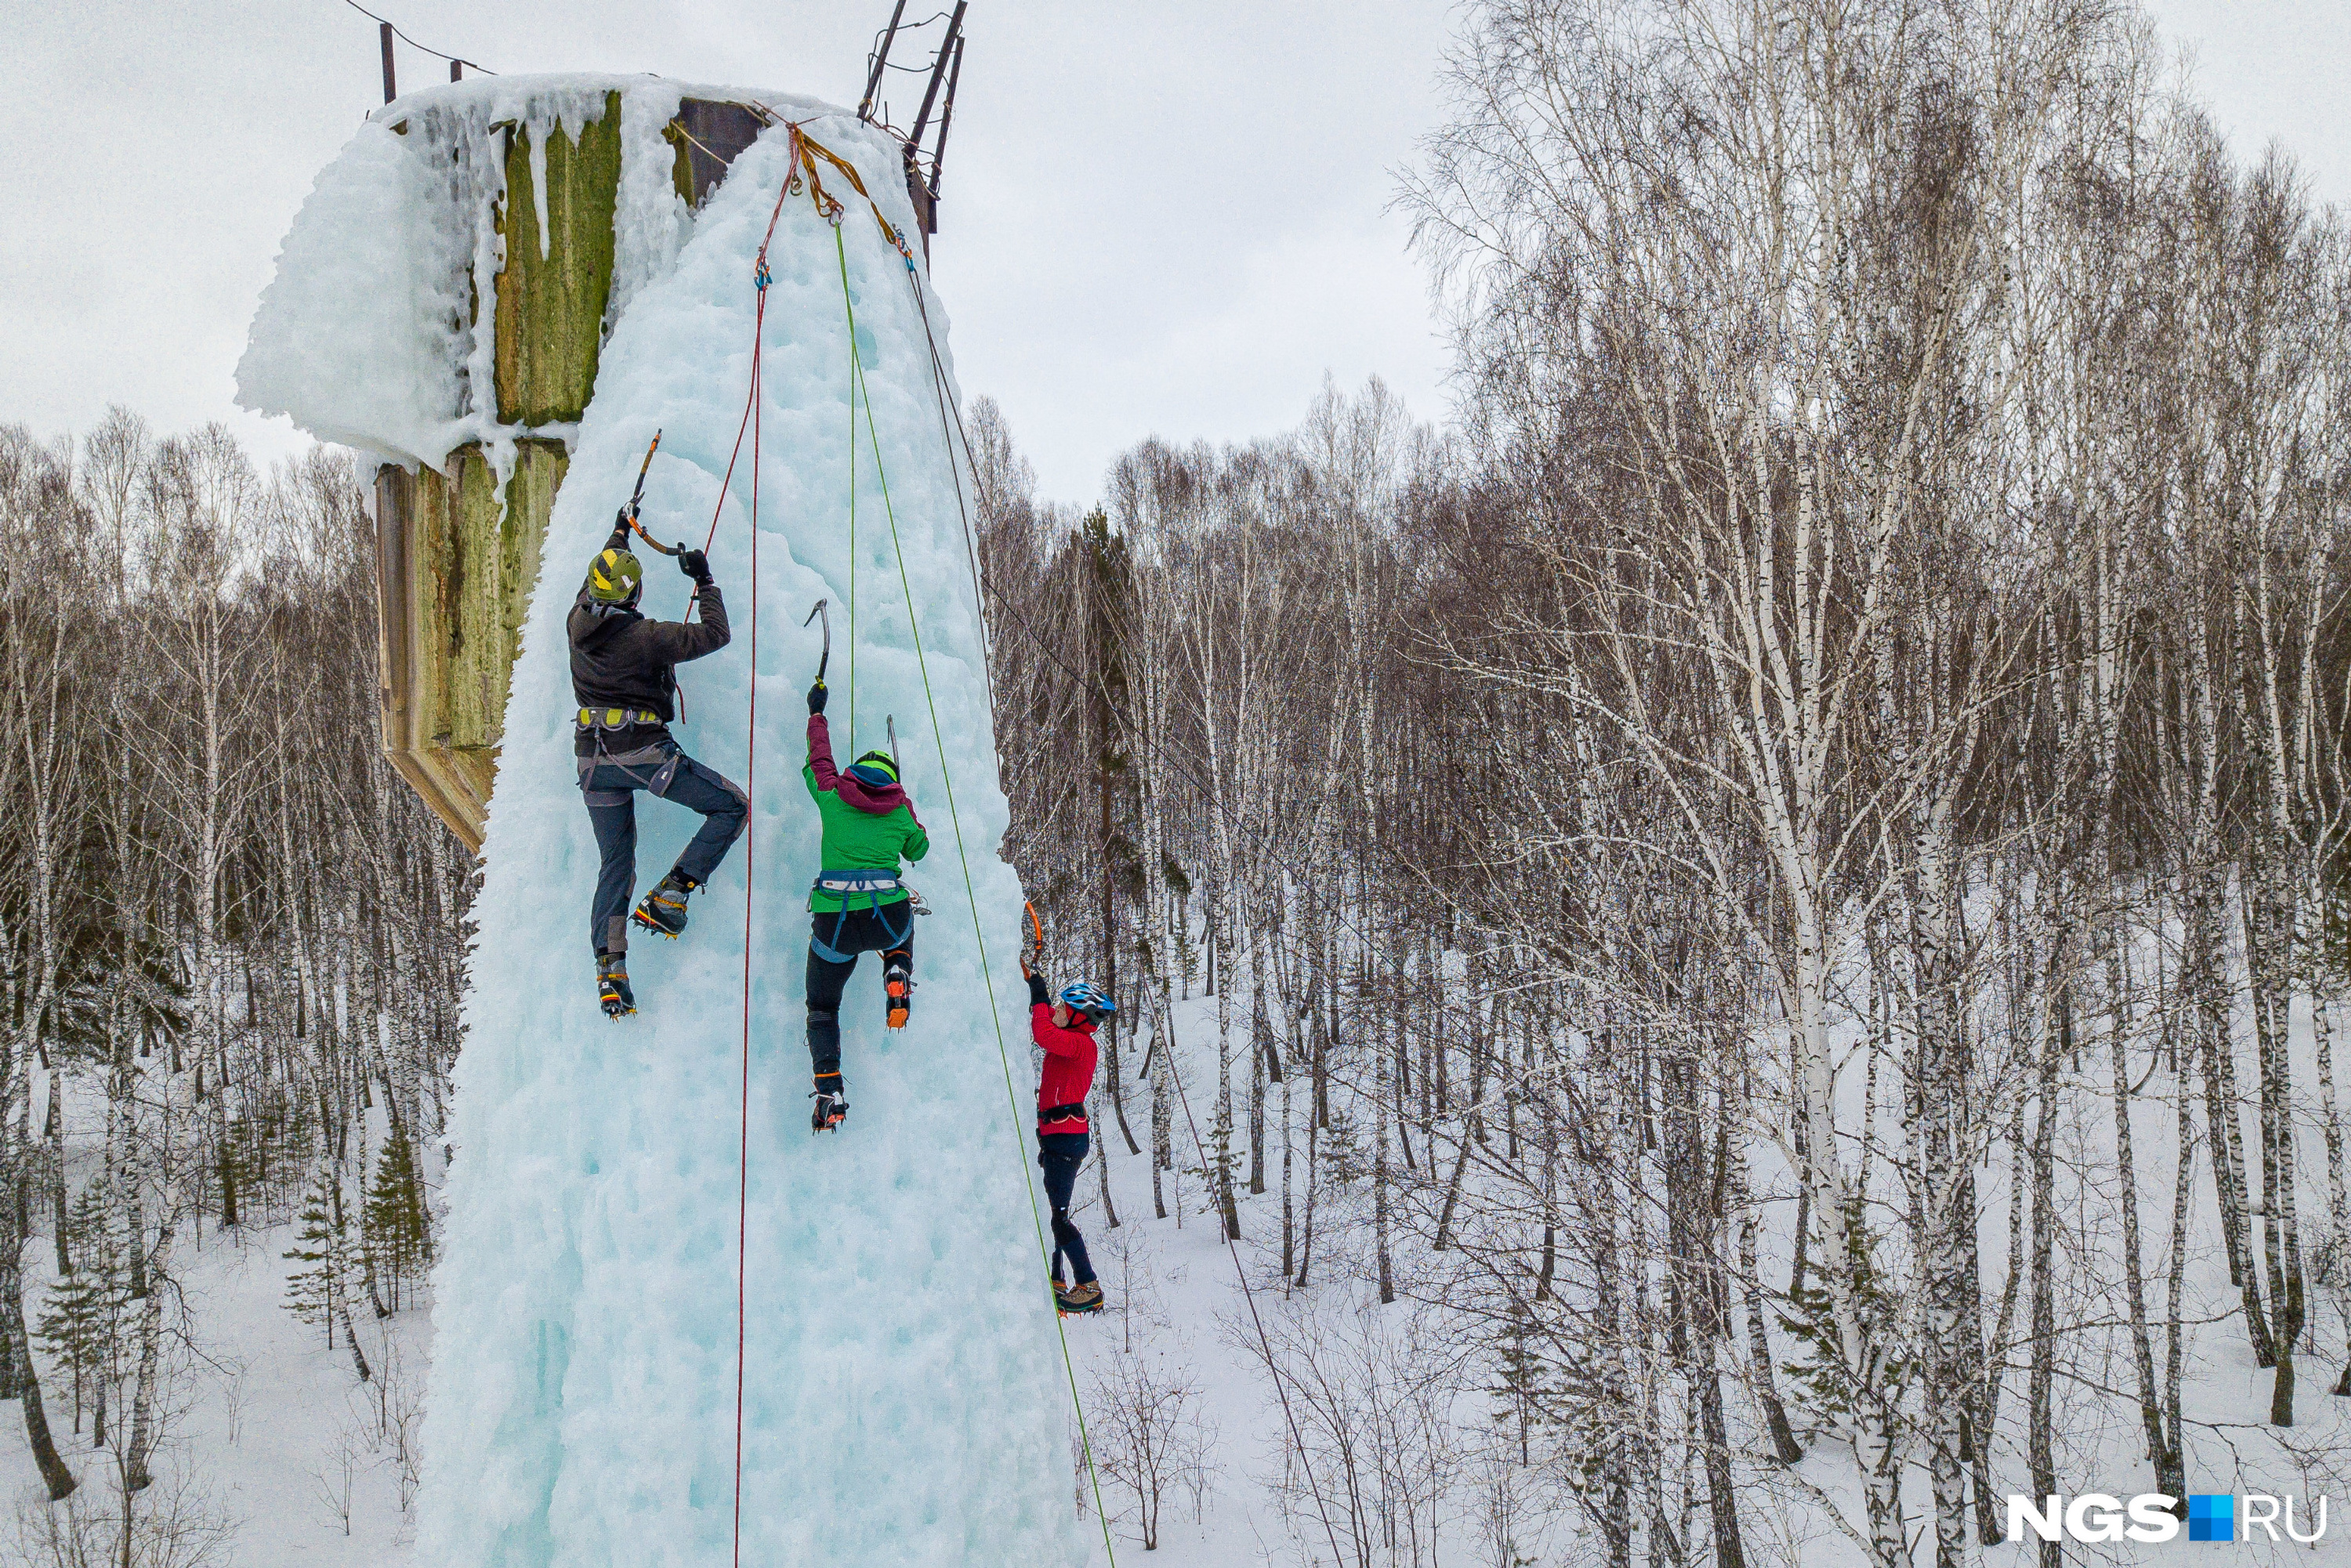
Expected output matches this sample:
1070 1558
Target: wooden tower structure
458 550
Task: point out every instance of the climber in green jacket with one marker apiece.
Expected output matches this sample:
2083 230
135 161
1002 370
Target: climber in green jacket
857 904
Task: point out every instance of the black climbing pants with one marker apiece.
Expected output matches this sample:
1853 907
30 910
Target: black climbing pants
888 931
1060 1155
610 784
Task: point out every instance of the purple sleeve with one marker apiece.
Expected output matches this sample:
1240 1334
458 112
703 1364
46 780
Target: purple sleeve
819 739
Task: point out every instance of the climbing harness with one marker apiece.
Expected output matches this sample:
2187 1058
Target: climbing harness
848 885
616 717
867 881
663 758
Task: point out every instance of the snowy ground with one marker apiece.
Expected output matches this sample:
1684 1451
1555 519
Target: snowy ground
268 1415
271 1416
269 1420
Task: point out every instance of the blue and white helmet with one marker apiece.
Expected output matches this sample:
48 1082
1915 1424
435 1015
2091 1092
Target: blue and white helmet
1085 996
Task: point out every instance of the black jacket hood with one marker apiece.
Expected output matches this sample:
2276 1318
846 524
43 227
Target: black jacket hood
603 623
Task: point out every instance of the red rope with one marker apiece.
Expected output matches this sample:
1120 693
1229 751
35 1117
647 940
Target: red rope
753 403
750 399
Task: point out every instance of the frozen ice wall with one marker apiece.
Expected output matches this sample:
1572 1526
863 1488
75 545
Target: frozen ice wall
903 1399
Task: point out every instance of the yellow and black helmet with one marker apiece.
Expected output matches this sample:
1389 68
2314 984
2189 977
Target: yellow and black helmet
615 578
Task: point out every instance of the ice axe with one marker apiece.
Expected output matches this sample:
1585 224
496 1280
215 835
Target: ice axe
637 501
637 496
1033 946
826 657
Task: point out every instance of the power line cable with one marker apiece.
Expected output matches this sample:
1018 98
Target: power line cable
436 54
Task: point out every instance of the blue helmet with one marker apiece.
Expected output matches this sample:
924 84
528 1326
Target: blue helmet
1085 996
875 770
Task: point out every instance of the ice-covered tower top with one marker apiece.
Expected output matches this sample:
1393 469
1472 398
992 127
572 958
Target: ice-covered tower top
455 271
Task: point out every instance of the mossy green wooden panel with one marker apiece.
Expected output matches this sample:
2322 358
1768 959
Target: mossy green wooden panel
550 306
540 467
492 562
477 655
680 174
434 600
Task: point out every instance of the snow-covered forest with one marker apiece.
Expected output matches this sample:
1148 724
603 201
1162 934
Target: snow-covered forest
1744 937
1793 861
234 944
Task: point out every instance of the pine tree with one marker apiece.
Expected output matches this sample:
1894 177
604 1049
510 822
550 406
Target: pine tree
313 1289
398 1233
1524 1382
80 1324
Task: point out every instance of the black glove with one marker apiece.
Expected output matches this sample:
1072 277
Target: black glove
694 564
1037 997
620 539
817 694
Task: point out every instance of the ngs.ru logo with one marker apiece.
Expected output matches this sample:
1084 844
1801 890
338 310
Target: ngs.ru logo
2095 1516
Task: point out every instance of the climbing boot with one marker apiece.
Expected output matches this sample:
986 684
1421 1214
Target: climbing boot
1076 1299
831 1106
898 985
662 911
613 986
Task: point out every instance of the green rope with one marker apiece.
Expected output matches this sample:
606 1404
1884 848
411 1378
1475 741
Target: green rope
971 892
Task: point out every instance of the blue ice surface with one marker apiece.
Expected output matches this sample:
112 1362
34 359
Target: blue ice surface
903 1397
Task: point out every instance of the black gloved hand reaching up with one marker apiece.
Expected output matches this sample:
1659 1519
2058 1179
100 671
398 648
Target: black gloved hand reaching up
694 564
817 694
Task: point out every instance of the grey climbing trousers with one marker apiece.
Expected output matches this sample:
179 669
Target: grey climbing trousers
610 784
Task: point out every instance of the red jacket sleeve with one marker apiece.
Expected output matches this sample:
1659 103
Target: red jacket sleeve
1056 1041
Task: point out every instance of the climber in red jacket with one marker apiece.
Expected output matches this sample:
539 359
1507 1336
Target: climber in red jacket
1063 1025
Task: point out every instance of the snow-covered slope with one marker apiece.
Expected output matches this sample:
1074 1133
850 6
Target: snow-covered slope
903 1399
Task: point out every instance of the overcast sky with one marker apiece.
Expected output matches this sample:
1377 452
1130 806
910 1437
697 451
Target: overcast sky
1166 219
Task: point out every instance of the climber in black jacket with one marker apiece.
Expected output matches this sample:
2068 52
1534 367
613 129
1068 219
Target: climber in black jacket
624 676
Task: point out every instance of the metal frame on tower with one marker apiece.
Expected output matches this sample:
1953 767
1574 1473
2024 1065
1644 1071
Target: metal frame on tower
946 73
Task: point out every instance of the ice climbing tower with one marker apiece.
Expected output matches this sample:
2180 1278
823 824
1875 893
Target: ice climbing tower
664 1313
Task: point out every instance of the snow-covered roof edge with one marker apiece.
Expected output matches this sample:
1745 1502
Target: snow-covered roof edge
376 331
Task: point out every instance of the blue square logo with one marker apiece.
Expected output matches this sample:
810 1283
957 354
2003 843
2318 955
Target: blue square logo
2213 1517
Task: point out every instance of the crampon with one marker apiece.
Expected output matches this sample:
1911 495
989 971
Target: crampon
662 911
898 987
